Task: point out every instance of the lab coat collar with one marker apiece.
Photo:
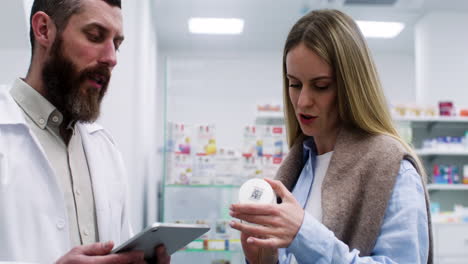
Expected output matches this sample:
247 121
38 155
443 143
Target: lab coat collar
91 128
10 112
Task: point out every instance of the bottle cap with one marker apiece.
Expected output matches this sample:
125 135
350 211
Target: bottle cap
256 191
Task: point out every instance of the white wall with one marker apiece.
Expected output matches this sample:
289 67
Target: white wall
441 46
224 88
131 110
14 63
15 51
397 75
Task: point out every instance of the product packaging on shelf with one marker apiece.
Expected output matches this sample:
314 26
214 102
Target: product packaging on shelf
222 229
448 174
205 163
414 111
270 166
272 138
465 174
228 167
179 138
447 143
249 147
446 109
251 168
180 168
205 140
205 170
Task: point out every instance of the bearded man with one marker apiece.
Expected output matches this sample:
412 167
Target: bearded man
62 182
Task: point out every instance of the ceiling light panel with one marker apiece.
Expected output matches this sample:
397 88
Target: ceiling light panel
377 29
229 26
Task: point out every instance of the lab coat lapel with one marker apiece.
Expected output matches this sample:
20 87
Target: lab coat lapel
11 115
98 168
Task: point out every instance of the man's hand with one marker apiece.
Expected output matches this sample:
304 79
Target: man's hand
161 255
98 253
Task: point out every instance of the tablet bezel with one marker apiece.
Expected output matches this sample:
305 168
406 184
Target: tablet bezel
147 240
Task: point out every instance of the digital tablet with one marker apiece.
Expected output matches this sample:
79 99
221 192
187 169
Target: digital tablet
173 236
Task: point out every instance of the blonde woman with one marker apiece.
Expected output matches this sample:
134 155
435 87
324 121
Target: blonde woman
352 191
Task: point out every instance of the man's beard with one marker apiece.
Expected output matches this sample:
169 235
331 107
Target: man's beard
68 90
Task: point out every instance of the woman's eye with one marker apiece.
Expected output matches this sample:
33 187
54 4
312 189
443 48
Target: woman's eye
294 85
322 87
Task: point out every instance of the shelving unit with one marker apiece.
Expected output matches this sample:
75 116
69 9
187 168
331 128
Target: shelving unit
450 239
190 186
438 119
447 187
210 203
417 129
426 152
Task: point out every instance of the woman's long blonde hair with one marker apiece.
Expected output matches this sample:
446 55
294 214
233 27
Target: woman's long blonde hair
336 38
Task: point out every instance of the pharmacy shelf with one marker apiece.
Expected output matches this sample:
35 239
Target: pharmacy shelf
429 152
208 251
272 114
226 186
447 187
454 119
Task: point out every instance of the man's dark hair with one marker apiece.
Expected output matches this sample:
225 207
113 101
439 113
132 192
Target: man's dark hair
60 11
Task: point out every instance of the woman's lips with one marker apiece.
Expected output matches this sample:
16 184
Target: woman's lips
307 119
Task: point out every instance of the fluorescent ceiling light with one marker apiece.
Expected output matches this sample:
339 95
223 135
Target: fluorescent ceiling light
374 29
216 25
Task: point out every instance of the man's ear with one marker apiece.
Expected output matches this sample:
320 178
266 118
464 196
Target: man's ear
44 29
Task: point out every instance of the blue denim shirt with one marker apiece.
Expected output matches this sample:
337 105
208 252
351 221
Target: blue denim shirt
403 238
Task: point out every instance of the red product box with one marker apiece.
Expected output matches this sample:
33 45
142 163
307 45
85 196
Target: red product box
445 108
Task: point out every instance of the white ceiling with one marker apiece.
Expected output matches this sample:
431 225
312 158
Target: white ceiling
267 22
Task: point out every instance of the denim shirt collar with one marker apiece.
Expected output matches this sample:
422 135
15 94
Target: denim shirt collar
310 149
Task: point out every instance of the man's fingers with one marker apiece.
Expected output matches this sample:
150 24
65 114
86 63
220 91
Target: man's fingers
121 258
162 256
97 249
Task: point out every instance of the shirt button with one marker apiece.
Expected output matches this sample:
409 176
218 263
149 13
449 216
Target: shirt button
85 232
77 191
60 224
41 121
55 119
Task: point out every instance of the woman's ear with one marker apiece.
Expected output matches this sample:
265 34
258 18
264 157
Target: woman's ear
44 30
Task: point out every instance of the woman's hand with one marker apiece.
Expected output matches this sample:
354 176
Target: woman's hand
277 224
251 252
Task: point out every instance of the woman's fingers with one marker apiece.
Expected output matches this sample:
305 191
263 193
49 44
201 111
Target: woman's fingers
271 242
277 224
254 230
266 220
253 209
280 189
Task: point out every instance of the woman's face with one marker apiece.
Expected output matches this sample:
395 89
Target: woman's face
312 91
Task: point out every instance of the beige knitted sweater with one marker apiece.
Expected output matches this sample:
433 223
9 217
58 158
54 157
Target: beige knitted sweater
357 186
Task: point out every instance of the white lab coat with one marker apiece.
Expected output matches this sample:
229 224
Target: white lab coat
33 218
